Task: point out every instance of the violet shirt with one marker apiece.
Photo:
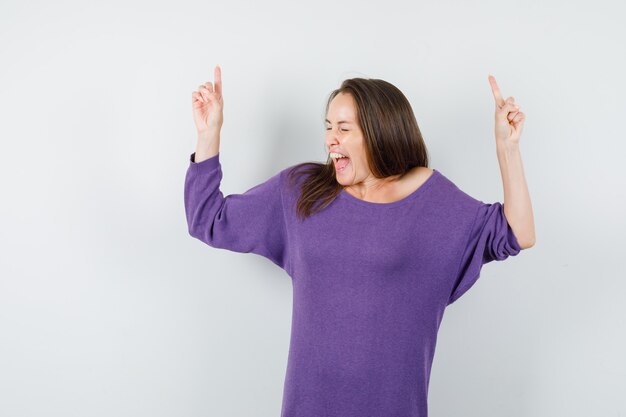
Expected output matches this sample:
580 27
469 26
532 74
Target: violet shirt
370 281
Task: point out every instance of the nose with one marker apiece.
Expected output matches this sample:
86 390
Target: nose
331 139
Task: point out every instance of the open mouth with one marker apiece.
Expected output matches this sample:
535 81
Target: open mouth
340 161
341 164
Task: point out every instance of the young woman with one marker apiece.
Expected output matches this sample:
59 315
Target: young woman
376 243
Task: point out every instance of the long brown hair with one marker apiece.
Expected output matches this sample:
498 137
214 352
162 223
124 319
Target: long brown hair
393 142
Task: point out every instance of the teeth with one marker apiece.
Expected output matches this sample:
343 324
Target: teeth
336 155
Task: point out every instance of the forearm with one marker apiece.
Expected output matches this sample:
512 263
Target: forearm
208 145
517 205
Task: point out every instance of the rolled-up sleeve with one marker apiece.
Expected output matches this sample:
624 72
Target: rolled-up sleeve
490 239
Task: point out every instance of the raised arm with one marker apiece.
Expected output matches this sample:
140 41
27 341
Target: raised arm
509 123
508 130
250 222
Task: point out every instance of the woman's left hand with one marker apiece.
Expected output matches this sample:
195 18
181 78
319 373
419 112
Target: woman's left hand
509 118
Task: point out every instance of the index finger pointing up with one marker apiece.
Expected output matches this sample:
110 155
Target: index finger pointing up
218 80
496 91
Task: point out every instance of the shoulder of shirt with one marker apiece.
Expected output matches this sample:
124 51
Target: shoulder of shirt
449 192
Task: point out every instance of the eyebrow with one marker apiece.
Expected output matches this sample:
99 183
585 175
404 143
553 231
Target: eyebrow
340 121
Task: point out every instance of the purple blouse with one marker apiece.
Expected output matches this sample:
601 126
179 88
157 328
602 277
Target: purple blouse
370 281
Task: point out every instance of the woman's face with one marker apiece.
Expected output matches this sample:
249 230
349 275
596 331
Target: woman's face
344 136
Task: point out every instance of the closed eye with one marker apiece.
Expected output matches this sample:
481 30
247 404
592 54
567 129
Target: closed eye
344 130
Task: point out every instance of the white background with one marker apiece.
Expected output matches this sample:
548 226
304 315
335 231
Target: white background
109 308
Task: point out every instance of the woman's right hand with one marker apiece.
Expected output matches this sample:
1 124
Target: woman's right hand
208 104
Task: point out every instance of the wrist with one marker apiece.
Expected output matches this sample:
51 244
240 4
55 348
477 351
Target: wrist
507 152
504 146
208 145
207 136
